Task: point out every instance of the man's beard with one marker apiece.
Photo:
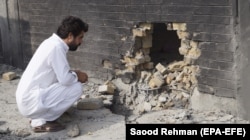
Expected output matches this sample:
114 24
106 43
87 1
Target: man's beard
73 47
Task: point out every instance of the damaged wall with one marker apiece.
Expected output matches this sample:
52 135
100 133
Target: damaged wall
208 23
176 74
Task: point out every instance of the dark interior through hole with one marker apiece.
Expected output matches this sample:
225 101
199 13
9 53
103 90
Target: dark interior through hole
165 45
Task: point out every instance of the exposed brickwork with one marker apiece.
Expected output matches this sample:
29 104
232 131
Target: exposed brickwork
210 22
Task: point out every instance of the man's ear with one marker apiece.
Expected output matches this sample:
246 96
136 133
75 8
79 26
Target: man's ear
70 36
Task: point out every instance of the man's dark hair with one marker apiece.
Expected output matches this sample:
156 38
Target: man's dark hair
71 24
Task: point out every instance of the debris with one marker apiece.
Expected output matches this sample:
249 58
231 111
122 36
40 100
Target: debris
74 131
9 75
89 104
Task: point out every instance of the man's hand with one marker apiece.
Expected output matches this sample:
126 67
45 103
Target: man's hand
82 76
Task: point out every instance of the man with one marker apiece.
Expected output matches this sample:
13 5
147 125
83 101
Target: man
48 87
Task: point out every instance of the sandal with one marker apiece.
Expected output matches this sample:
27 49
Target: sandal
49 127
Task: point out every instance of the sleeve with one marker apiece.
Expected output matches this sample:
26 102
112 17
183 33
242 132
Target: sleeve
74 73
60 65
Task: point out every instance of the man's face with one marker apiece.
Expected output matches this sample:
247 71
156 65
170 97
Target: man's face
76 41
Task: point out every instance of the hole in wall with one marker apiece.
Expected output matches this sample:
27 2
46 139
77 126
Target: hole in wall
161 60
165 45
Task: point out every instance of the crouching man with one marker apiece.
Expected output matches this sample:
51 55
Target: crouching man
48 87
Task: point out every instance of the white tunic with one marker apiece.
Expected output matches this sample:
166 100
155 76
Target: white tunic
47 81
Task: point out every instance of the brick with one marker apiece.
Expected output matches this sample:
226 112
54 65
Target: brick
193 53
34 1
114 2
39 5
9 76
227 75
135 9
42 12
153 9
216 82
146 51
226 66
212 46
162 69
227 84
153 17
138 2
115 23
221 29
139 32
164 9
133 16
147 41
202 10
106 89
179 26
107 64
110 8
198 27
177 2
148 65
147 58
219 11
224 92
206 89
218 56
90 104
206 81
220 20
220 38
179 9
146 26
94 2
200 19
176 18
155 2
156 82
201 37
211 2
183 35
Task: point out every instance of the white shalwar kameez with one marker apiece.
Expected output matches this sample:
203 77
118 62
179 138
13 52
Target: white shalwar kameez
47 87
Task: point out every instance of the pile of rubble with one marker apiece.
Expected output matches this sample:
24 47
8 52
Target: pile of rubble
177 75
130 99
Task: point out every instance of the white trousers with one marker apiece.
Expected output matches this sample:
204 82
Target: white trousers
52 102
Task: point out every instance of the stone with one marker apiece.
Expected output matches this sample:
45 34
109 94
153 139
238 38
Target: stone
74 131
9 76
90 104
106 89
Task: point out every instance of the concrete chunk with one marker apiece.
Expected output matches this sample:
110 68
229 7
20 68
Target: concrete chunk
162 69
106 89
89 104
179 26
9 76
139 32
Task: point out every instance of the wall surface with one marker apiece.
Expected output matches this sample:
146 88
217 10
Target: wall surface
10 47
209 22
243 55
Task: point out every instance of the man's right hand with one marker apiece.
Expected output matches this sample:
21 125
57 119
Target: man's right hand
82 76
